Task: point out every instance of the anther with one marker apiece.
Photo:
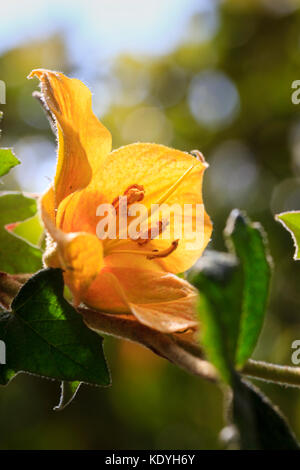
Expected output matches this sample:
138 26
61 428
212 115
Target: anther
134 193
164 253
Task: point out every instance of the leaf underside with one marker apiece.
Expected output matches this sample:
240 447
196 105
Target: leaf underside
7 161
16 255
233 292
291 222
44 335
261 425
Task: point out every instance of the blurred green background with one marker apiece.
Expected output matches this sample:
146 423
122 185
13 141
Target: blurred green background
208 75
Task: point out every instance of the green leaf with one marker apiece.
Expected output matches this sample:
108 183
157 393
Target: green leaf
218 278
7 161
249 242
17 255
31 230
291 222
45 335
233 290
260 424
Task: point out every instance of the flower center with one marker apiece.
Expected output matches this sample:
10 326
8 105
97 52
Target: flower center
136 193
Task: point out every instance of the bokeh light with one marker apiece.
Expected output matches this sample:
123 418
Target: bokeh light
233 174
35 153
286 196
213 99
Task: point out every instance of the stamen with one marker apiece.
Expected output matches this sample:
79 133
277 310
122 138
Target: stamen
134 193
151 254
170 191
164 253
175 185
152 232
136 189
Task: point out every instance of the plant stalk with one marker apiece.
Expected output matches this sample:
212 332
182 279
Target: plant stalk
285 375
180 349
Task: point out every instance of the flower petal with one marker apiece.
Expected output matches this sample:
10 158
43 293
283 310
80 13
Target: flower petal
159 300
80 255
82 259
83 141
168 176
47 204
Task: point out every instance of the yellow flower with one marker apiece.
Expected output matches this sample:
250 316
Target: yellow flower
125 276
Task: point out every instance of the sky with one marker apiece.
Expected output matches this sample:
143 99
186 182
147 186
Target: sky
103 28
95 32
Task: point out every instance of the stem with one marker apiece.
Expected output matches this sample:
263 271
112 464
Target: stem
180 349
177 348
285 375
9 287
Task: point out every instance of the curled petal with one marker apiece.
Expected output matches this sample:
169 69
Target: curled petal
158 300
80 255
47 204
78 211
83 141
81 258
